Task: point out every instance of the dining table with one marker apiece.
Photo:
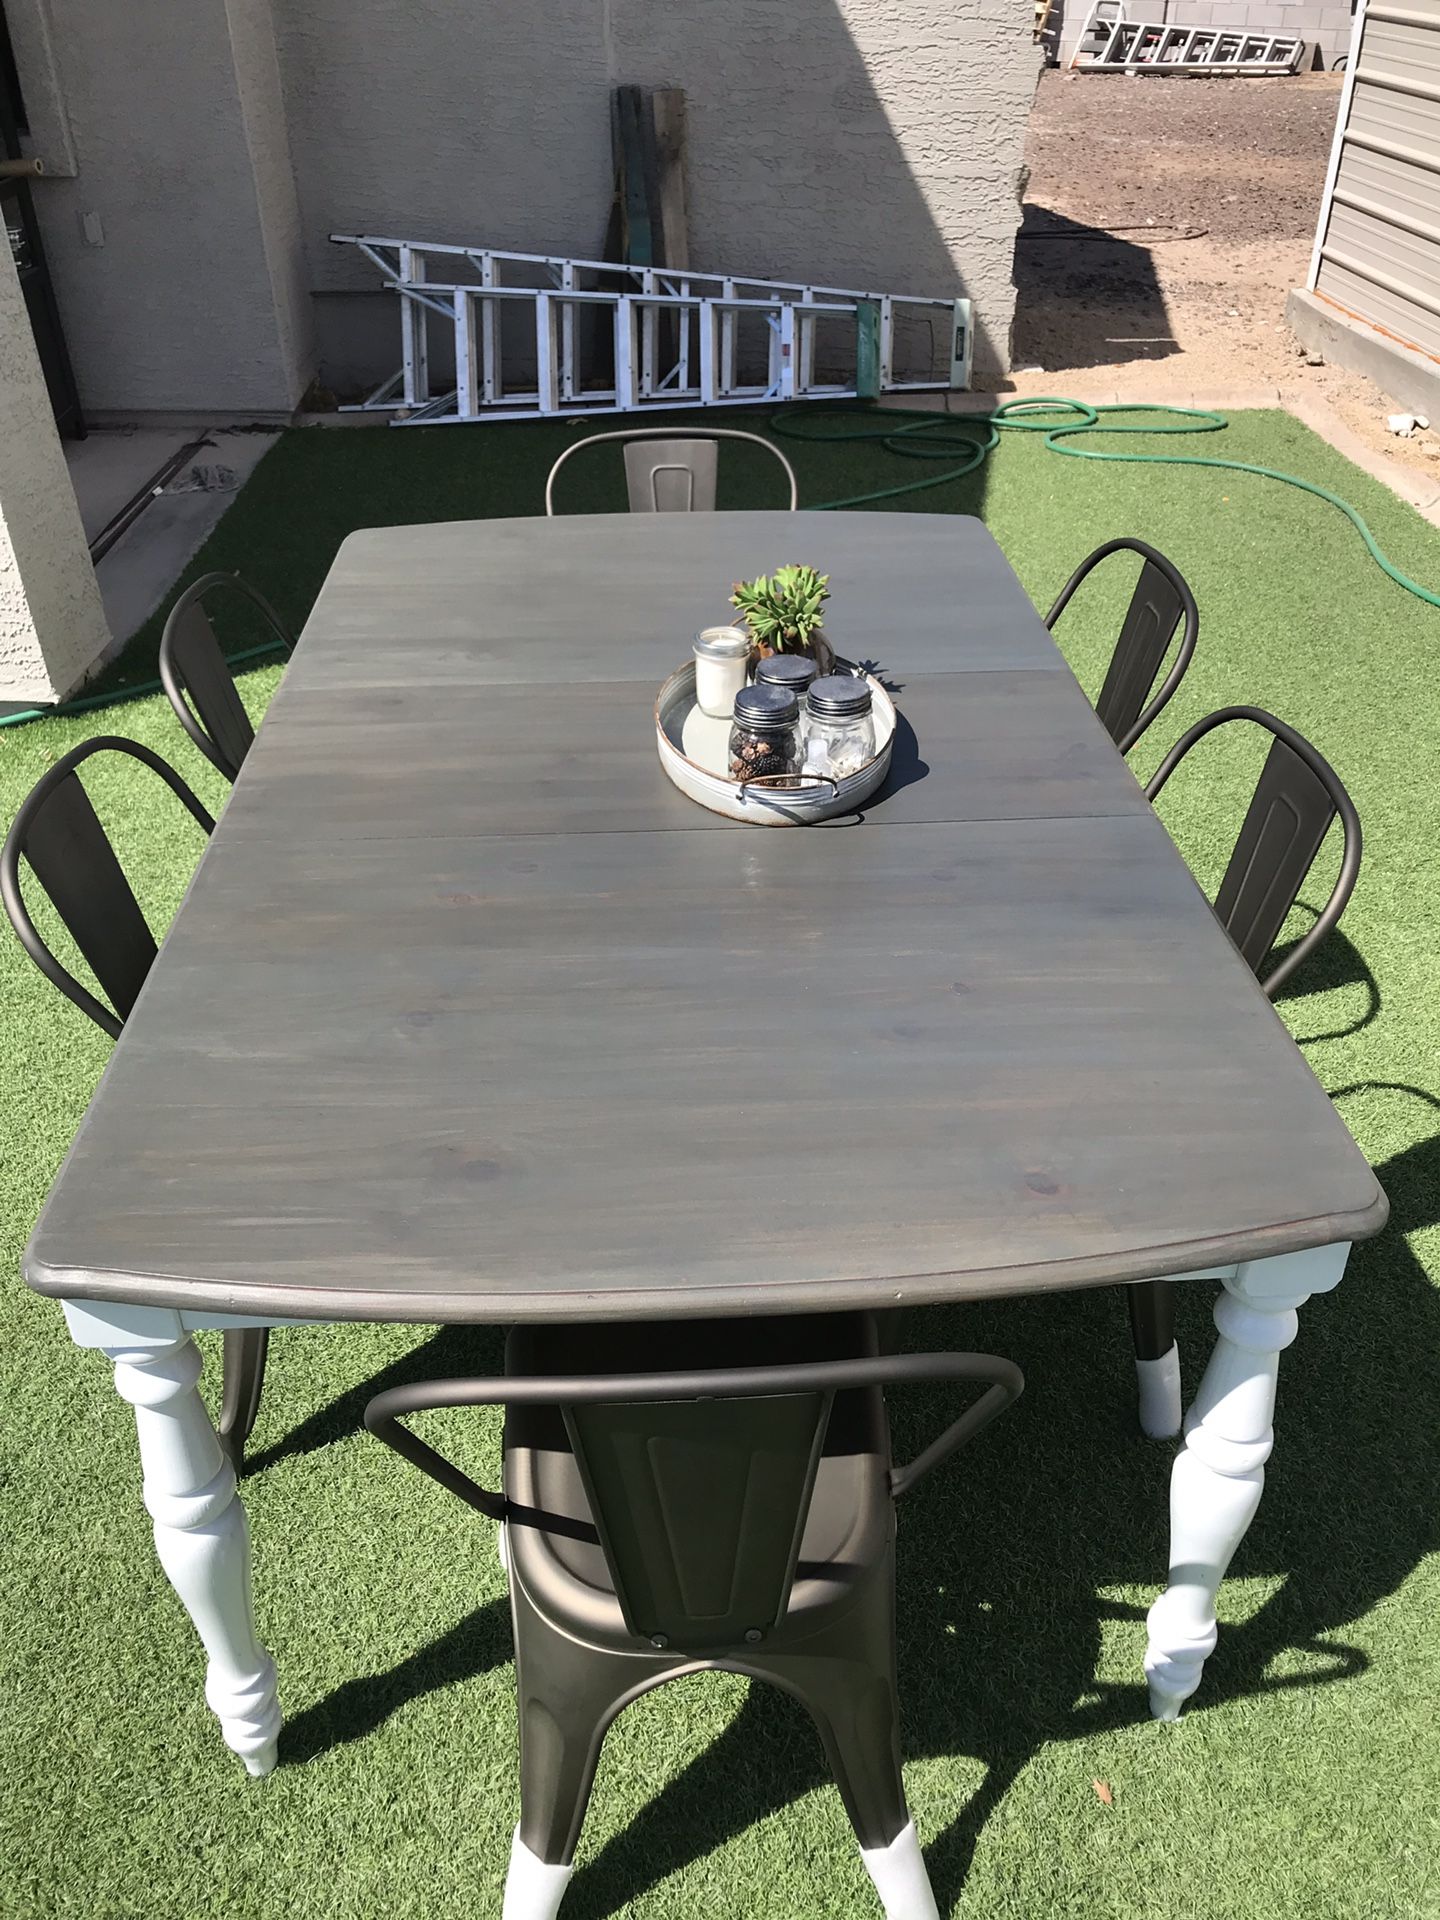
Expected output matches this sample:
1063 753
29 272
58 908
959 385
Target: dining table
469 1015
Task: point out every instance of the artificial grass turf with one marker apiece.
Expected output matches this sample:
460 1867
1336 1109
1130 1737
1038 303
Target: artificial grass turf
1302 1779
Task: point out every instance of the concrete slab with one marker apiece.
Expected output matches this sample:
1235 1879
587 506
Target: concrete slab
915 402
1418 490
1410 377
112 463
137 572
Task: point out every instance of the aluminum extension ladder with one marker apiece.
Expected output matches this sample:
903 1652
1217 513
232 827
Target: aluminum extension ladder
1110 43
536 335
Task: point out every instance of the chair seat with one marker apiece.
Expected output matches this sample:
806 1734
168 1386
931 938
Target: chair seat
553 1547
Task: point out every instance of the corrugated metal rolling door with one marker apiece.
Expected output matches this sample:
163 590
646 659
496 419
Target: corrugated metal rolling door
1379 250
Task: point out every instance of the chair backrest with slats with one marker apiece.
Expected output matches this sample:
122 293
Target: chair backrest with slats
1296 798
669 473
224 734
1154 613
196 675
671 476
58 834
1160 602
1282 832
698 1455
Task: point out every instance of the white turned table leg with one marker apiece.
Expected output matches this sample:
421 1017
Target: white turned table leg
1219 1473
202 1538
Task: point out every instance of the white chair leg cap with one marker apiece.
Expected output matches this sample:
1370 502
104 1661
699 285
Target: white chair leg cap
533 1888
900 1877
1159 1383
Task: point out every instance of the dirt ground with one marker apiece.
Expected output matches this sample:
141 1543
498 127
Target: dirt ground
1165 221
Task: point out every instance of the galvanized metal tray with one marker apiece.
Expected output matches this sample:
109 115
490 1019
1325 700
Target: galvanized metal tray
694 751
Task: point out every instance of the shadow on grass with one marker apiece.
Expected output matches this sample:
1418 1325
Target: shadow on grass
475 1645
1337 963
1005 1562
450 1350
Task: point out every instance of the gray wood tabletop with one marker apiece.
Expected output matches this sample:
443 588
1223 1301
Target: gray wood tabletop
469 1015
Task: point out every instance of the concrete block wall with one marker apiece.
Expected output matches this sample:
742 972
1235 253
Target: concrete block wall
1320 23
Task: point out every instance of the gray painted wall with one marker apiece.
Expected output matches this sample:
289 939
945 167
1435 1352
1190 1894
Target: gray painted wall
878 141
170 122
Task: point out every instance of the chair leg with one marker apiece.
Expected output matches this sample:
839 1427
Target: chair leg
845 1677
900 1879
245 1349
1157 1358
533 1888
568 1693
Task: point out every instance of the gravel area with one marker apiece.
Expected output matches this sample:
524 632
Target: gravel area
1166 220
1167 217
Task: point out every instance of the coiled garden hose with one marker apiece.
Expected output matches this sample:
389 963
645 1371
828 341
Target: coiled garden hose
929 436
963 442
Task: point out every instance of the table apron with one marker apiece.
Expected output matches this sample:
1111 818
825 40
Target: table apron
100 1323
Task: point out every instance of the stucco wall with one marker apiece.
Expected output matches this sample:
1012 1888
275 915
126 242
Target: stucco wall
877 141
52 627
447 120
180 150
261 101
872 141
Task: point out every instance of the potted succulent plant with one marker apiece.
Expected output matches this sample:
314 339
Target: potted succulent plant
783 612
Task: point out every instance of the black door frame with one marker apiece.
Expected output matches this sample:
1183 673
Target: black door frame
27 247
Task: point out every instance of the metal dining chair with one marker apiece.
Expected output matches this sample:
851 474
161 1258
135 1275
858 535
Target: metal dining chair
58 834
196 675
1160 601
671 1506
1296 798
669 474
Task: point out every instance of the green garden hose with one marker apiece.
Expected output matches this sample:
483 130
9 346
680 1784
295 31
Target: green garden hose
973 436
963 442
97 702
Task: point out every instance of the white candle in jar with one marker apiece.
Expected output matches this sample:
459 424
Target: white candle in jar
722 658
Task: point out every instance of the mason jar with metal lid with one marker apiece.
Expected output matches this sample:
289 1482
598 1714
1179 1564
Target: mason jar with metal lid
792 672
722 660
839 725
764 739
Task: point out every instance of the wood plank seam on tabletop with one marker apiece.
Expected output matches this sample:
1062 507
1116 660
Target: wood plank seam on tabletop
941 580
989 744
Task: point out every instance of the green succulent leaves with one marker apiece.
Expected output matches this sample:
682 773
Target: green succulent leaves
783 610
